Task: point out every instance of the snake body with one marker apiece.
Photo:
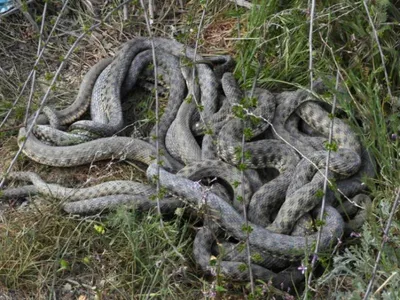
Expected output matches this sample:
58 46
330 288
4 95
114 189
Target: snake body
290 247
82 101
201 140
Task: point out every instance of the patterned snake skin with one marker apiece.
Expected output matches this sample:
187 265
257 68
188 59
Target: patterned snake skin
206 123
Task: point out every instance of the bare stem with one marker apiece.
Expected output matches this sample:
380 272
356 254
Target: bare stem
246 220
197 101
248 253
34 71
325 187
310 45
157 112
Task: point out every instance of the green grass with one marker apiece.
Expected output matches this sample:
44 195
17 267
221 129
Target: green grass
124 254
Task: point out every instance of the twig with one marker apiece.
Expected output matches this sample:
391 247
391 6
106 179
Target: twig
158 162
125 11
384 240
157 112
242 191
151 12
239 37
34 71
246 220
379 48
325 187
196 45
248 253
385 283
310 40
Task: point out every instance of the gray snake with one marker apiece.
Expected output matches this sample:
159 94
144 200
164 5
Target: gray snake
275 207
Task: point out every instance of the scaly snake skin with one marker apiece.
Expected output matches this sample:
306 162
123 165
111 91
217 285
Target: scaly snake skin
201 139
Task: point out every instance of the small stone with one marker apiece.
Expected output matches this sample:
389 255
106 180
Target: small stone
67 287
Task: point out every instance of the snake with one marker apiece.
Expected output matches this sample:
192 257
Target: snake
207 121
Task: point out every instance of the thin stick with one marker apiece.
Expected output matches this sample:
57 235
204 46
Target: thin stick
385 283
197 101
246 220
252 287
310 46
148 25
151 12
325 187
34 71
158 162
384 240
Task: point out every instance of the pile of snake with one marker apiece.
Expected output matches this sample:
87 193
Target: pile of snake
243 159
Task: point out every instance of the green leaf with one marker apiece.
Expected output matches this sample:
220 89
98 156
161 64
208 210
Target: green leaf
320 223
242 167
242 267
208 131
238 111
86 260
64 265
319 194
257 257
235 184
100 229
247 155
241 247
331 146
220 289
247 228
189 98
248 133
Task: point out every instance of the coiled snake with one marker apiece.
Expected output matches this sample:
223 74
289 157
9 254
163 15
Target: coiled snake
207 129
